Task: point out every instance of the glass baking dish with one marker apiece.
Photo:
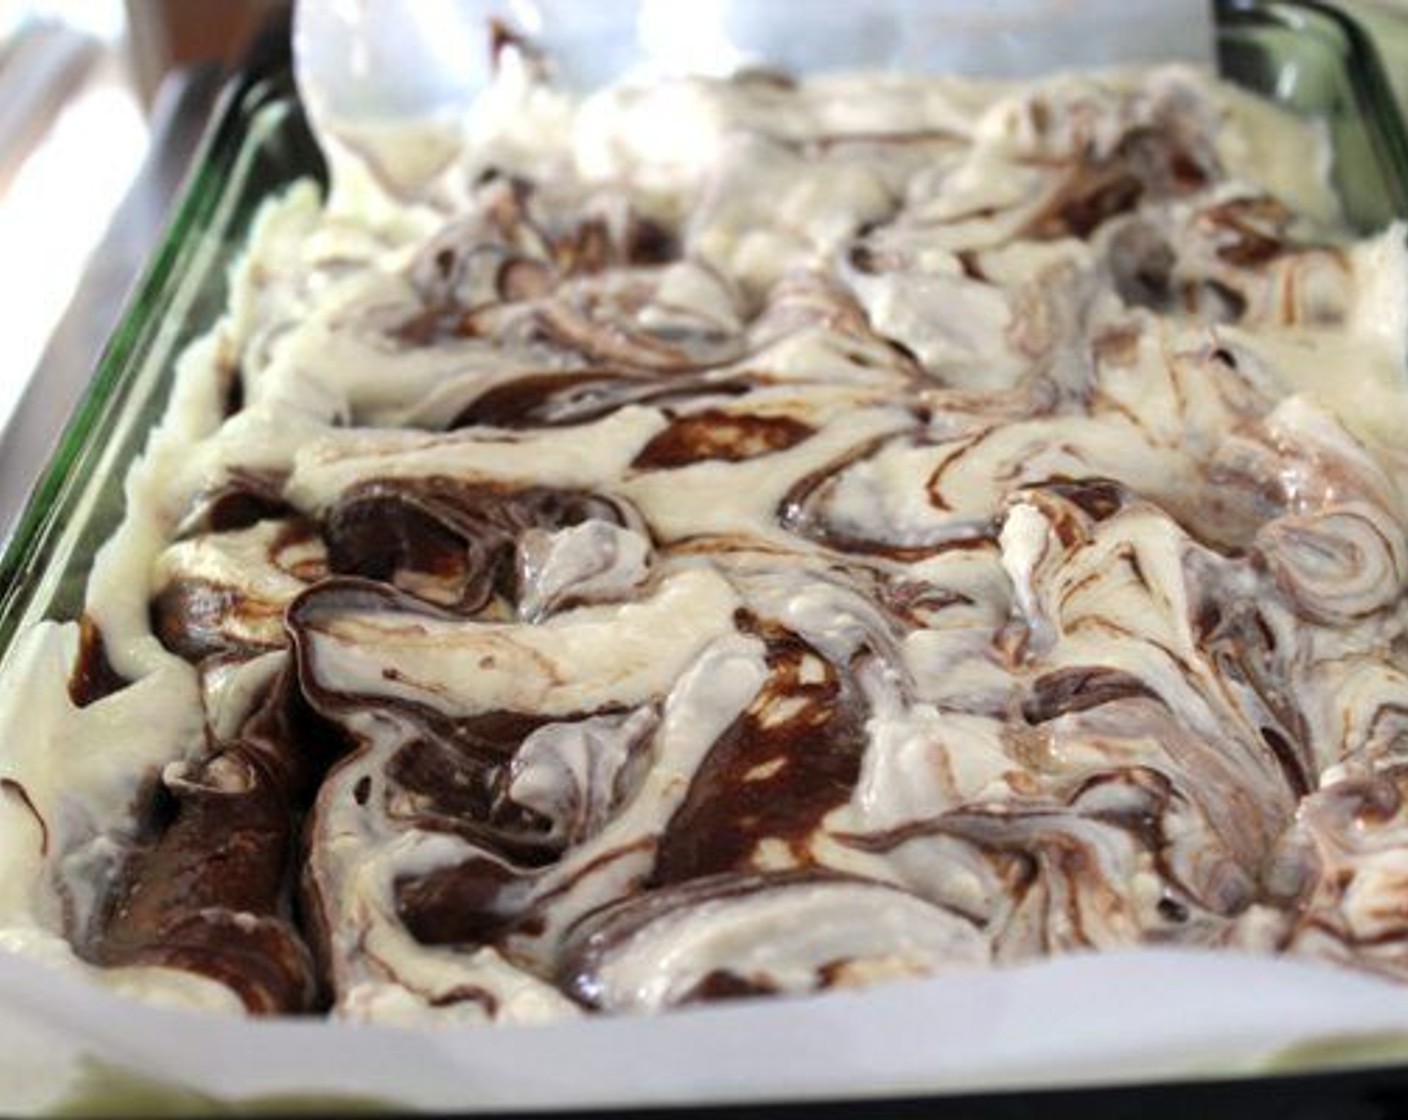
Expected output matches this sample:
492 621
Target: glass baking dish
1302 54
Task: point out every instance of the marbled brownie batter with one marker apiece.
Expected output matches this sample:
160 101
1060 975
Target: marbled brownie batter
754 536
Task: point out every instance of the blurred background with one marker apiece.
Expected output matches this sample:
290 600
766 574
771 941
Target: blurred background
101 104
84 86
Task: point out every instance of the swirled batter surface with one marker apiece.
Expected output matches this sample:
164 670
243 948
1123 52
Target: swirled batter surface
750 536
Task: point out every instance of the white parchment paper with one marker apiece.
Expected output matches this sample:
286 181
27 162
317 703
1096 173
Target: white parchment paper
1108 1018
1115 1017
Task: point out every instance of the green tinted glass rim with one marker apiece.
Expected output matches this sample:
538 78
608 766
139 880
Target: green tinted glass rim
35 556
1363 70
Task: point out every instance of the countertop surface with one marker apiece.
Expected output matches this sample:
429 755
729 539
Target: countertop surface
58 381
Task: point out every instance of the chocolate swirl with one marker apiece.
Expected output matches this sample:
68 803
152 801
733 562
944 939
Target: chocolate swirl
209 889
873 537
446 541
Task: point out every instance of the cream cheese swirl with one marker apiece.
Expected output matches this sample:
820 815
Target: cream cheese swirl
755 537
